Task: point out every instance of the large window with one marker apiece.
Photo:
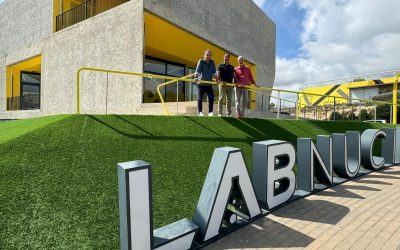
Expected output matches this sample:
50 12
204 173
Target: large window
30 90
172 92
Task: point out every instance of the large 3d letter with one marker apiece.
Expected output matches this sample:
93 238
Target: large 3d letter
227 170
273 177
136 212
346 154
389 145
322 169
367 142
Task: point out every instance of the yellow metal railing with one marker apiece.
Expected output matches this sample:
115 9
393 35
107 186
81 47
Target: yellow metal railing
187 79
167 83
78 77
396 81
262 89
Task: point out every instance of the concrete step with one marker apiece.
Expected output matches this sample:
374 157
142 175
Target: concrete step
21 114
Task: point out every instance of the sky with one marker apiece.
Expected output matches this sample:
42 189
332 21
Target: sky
319 40
330 39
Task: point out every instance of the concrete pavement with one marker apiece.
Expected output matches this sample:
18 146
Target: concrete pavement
360 214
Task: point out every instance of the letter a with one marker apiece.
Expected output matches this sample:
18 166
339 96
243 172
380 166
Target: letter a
227 167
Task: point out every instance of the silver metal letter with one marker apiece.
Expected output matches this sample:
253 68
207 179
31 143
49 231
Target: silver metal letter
367 142
388 150
322 169
136 212
346 154
273 177
227 165
136 222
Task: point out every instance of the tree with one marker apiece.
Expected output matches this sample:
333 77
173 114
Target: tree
365 115
358 79
335 116
383 111
351 116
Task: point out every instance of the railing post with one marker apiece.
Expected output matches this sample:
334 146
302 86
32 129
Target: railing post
315 113
375 112
177 97
86 10
279 108
297 106
352 111
107 95
391 113
395 98
334 108
359 110
262 102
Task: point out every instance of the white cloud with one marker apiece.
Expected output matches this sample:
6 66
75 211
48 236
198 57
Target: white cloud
343 38
260 3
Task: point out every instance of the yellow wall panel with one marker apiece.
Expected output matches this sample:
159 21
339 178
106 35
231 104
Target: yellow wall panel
344 87
13 74
165 41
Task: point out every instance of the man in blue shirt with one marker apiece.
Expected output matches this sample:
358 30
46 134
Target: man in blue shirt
226 75
205 71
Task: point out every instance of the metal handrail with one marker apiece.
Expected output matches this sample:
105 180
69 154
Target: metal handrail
396 81
84 11
175 79
167 83
78 74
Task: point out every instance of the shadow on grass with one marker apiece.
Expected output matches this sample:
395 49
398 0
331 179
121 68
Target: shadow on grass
136 126
201 125
261 129
173 138
344 126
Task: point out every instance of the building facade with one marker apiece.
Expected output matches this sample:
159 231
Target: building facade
44 43
346 93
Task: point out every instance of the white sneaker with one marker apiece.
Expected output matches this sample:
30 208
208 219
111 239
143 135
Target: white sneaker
219 115
210 114
201 114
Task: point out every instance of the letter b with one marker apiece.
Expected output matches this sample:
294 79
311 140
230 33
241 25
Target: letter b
273 178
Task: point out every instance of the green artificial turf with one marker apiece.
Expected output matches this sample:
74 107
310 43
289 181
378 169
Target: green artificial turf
58 179
13 129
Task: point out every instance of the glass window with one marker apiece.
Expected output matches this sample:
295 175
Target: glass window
30 91
150 94
174 70
172 90
191 87
151 66
30 78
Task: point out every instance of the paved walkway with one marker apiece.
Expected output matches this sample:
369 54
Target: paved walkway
360 214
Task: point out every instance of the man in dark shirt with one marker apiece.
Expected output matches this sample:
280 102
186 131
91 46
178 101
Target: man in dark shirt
225 74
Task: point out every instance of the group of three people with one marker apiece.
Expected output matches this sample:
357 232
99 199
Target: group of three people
241 76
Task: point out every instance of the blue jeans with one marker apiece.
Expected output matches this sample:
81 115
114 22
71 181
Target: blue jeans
205 89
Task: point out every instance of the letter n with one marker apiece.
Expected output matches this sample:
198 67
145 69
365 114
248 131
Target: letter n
314 161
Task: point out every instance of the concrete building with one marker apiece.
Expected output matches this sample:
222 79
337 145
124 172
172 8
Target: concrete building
45 42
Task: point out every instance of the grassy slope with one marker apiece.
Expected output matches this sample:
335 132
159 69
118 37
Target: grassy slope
58 184
13 129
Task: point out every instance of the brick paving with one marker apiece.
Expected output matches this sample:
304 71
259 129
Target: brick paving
360 214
